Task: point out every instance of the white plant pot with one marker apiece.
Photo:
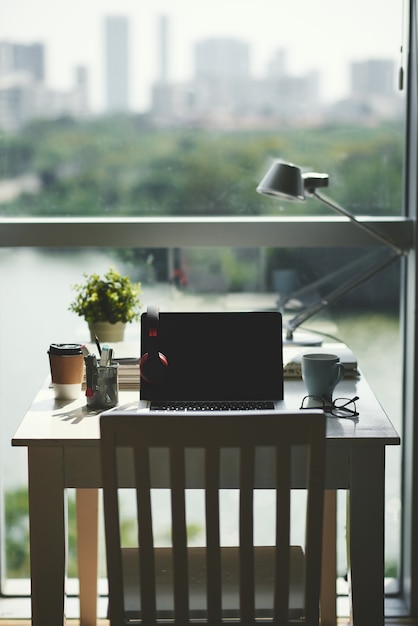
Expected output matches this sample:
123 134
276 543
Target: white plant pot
107 332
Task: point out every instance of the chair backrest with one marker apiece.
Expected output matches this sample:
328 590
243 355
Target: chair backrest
271 451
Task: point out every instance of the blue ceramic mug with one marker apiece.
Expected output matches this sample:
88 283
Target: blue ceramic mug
321 373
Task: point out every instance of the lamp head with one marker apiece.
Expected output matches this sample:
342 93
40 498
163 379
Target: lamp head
286 181
283 180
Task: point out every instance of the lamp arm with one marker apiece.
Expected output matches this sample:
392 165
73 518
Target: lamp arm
368 229
337 293
300 291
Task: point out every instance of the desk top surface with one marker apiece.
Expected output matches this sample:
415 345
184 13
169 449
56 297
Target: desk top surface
51 422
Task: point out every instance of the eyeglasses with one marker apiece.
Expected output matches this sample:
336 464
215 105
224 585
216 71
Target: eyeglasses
340 407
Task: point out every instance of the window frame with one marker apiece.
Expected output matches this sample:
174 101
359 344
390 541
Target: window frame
286 232
178 232
410 338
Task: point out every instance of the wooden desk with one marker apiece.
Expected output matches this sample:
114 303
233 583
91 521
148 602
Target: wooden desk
63 451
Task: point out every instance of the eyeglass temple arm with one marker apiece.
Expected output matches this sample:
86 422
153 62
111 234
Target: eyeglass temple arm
349 401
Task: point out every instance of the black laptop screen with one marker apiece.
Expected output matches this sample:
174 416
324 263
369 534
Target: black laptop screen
217 356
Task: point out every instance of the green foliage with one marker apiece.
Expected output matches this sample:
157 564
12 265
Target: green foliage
236 269
113 298
17 534
195 534
124 166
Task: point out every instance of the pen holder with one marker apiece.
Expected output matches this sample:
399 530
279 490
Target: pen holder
105 387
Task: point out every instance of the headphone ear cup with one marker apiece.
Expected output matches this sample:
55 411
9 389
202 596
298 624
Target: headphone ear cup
153 367
153 364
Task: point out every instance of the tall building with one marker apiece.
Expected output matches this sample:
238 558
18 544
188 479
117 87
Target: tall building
222 77
373 77
24 94
23 58
22 76
163 73
276 68
81 91
373 91
162 90
117 63
222 58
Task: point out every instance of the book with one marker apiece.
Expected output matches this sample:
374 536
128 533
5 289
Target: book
128 372
292 356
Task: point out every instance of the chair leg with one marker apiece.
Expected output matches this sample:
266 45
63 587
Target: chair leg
329 561
87 539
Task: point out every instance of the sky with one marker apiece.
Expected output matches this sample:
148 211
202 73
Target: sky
317 34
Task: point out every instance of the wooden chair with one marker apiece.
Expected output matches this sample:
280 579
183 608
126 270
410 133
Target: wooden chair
213 583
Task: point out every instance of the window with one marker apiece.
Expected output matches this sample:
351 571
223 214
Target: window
176 110
142 146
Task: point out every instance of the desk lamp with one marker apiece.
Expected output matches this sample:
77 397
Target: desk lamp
286 181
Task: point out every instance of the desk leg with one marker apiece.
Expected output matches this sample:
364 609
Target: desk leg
48 537
366 535
87 541
329 561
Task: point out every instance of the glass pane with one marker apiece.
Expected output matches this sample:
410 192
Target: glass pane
40 283
176 108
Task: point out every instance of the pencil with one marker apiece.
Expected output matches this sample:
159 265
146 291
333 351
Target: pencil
96 339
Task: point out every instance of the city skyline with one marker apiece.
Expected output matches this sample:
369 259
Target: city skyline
221 91
77 37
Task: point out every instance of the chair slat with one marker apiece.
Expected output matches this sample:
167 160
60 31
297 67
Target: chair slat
246 532
146 558
111 506
282 551
314 521
179 534
213 551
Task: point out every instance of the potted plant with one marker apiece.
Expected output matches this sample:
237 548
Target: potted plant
107 303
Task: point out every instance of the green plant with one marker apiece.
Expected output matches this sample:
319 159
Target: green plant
113 298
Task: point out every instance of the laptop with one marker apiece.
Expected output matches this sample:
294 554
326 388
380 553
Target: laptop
212 361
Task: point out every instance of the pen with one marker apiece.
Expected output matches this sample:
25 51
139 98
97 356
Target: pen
104 356
91 368
96 339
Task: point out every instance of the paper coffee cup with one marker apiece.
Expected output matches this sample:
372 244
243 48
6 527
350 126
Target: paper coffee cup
67 368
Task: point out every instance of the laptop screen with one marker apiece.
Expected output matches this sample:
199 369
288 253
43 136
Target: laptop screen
217 356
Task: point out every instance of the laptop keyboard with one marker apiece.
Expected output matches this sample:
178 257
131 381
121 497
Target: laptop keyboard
212 405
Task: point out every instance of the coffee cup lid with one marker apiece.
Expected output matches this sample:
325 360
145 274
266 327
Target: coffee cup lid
65 349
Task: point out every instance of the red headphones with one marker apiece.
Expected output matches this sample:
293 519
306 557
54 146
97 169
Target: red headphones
153 364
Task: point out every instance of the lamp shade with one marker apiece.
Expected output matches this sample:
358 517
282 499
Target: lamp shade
283 180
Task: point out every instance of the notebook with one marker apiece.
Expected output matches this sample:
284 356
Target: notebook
214 360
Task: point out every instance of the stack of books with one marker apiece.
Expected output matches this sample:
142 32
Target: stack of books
128 373
292 358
